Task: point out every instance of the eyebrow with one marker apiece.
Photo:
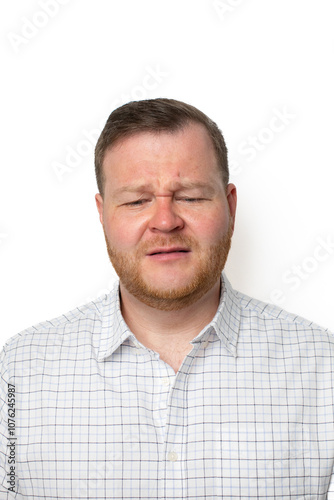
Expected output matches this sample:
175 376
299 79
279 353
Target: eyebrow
135 188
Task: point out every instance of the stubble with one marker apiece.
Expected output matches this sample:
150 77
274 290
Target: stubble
206 274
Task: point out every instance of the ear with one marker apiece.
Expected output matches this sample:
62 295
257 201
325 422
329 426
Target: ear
231 194
99 204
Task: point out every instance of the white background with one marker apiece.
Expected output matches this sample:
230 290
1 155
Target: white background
66 67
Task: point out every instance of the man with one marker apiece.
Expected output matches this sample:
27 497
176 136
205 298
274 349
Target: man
173 386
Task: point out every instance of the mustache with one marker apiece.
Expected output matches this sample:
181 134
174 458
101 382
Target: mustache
168 241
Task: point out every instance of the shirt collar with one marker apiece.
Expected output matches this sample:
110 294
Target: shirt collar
114 329
225 323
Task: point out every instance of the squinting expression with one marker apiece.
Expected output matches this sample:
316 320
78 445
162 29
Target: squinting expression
168 219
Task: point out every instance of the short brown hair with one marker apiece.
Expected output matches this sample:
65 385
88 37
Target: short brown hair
155 115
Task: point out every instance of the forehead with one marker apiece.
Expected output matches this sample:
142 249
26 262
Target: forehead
187 154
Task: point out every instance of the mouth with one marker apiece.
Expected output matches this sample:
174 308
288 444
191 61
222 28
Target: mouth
167 251
170 254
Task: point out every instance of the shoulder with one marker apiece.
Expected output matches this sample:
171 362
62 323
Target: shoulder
262 316
78 320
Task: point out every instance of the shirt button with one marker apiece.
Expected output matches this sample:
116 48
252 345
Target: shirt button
172 456
165 381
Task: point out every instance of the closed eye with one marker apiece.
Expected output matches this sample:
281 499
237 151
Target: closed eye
142 201
135 203
192 200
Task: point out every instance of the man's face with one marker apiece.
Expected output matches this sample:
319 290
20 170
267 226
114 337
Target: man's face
167 217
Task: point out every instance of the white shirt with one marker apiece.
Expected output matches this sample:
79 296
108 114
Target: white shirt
249 415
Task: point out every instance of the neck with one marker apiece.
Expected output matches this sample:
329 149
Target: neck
166 331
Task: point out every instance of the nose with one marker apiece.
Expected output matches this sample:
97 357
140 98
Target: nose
164 217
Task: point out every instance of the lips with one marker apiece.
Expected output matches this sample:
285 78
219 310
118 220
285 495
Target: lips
158 251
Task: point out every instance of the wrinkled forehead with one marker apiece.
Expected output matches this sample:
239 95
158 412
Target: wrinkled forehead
188 150
170 187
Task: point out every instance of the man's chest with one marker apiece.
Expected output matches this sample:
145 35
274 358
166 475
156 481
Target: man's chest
231 427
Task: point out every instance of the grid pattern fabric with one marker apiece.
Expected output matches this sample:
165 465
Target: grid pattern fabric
249 415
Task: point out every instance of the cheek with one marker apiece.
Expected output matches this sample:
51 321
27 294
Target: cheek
122 235
211 227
